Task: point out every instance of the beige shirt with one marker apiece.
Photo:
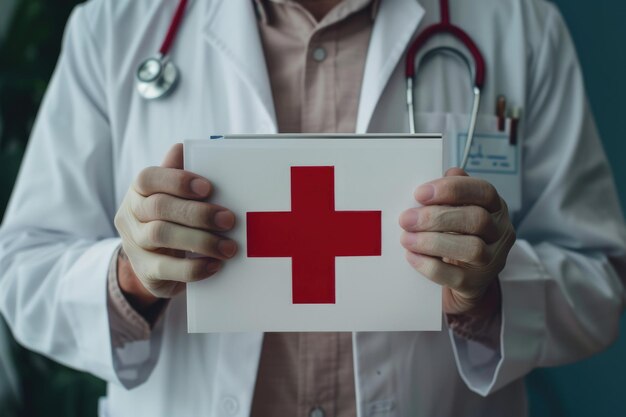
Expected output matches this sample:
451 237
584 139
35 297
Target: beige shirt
316 71
315 68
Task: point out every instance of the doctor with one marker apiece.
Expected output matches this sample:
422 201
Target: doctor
68 291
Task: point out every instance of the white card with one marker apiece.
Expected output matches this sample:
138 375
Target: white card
318 234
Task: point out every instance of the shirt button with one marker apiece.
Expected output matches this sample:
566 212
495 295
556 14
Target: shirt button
317 412
319 54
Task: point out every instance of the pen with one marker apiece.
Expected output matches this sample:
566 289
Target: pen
515 116
501 112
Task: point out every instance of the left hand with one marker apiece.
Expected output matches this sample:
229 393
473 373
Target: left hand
459 239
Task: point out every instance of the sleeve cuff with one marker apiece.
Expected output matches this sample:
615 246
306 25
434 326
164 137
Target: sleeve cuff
485 331
483 326
521 332
135 344
126 324
83 299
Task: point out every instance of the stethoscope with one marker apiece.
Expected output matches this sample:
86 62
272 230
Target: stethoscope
477 73
157 76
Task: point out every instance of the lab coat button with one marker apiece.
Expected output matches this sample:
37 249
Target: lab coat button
317 412
319 54
230 405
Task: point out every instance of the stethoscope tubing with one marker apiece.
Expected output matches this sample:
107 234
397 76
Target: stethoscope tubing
157 76
172 30
165 79
477 75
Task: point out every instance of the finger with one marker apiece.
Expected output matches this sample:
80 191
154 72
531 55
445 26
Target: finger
165 289
196 214
466 220
457 191
174 157
162 269
461 248
436 270
160 234
176 182
456 172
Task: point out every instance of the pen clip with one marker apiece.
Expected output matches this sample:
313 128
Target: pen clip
515 117
501 112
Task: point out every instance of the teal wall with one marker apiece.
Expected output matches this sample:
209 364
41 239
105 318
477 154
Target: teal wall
599 31
597 386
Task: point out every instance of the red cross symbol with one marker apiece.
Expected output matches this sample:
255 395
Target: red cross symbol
312 234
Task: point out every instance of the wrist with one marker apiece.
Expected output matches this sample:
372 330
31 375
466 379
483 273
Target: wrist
484 307
131 286
481 323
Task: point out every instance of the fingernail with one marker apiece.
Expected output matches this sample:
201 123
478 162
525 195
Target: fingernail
224 219
227 248
414 259
213 267
200 187
408 239
425 193
408 219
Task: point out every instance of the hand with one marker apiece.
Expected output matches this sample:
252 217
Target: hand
459 239
162 216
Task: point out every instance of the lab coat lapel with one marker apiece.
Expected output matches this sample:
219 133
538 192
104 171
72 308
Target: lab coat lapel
231 28
236 372
395 25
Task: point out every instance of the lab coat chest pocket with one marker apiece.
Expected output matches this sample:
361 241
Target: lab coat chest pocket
493 156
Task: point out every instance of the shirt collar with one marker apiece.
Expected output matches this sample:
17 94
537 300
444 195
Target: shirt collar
263 16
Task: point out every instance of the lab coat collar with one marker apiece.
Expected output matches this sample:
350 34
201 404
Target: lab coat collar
355 5
230 26
395 25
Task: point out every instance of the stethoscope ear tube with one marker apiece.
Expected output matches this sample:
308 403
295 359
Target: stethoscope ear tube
471 130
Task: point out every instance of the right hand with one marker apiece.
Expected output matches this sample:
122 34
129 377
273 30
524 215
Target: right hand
163 215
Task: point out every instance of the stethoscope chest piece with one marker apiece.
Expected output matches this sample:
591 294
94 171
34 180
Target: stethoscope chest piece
156 77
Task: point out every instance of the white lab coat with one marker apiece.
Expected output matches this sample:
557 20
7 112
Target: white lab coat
562 296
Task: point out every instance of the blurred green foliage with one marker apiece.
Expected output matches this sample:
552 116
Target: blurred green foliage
28 55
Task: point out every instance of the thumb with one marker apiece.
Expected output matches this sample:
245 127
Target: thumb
174 157
456 172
